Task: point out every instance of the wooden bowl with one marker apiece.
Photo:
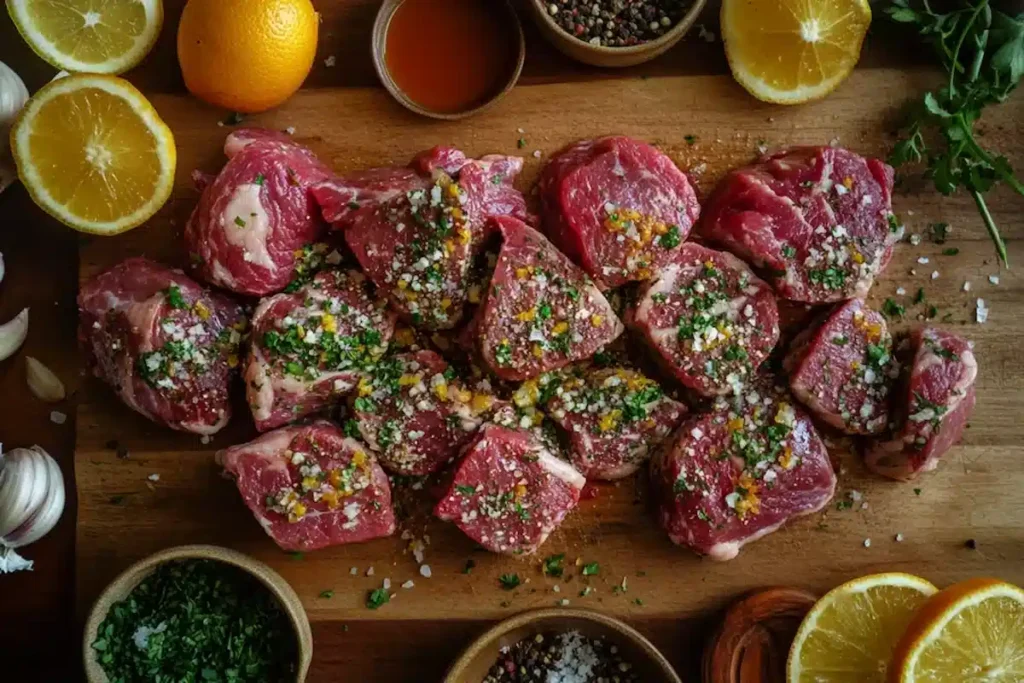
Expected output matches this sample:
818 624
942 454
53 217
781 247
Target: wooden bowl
600 55
379 46
474 663
124 584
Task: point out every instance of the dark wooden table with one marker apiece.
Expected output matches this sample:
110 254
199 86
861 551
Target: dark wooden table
38 632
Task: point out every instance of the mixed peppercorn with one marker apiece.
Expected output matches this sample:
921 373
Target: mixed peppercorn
567 656
616 23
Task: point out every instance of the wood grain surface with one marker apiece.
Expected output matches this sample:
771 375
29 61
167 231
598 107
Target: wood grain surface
671 596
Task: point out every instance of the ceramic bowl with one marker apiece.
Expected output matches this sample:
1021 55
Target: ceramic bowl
474 663
599 55
131 577
379 46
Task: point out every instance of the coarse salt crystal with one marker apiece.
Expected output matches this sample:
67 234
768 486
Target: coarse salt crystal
967 286
205 439
154 477
867 542
900 291
330 61
855 495
981 311
563 602
386 584
290 130
408 584
369 572
915 239
899 538
353 571
696 432
935 275
922 259
58 418
994 279
536 154
425 571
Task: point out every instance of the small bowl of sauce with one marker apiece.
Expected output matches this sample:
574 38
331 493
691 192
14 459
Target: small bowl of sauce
449 59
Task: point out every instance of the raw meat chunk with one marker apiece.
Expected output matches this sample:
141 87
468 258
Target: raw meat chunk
617 206
415 230
510 492
615 419
416 414
311 347
843 369
740 472
168 347
256 220
541 312
709 318
311 487
935 399
818 220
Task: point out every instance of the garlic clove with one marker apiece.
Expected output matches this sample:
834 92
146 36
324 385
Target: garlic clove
46 516
13 95
12 334
11 562
23 482
45 385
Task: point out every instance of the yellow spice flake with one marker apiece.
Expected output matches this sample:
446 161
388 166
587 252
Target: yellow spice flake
610 420
560 328
297 513
596 320
201 310
538 351
329 323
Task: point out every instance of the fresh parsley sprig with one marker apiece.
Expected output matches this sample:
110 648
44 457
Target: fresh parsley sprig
982 51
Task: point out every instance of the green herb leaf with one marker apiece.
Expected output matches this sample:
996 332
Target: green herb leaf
173 296
377 598
891 309
553 565
327 594
509 581
591 569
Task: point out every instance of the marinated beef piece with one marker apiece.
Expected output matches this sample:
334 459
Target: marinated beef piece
709 318
842 369
416 414
510 491
311 487
933 401
616 206
817 220
615 418
416 230
310 347
168 347
256 221
541 312
740 472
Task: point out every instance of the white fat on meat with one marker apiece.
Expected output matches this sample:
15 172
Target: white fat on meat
268 447
560 469
247 226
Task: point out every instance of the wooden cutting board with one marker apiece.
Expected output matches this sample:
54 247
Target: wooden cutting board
977 492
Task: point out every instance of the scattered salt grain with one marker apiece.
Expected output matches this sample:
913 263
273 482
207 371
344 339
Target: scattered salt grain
58 418
369 572
900 291
154 477
536 154
425 571
899 538
994 279
915 239
520 131
563 602
290 130
354 571
855 495
205 439
967 286
142 634
981 312
556 588
867 542
408 584
935 275
386 584
330 61
922 259
864 505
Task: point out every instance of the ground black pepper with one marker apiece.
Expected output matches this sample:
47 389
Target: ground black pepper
567 656
616 23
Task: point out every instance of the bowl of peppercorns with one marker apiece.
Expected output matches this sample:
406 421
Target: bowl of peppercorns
614 33
561 645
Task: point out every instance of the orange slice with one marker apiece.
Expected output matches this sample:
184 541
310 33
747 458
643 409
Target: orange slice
793 51
971 631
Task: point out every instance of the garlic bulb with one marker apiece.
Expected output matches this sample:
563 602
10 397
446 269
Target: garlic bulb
45 385
13 95
12 334
31 502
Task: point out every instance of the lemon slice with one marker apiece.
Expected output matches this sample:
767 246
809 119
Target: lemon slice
93 153
848 636
91 36
792 51
971 631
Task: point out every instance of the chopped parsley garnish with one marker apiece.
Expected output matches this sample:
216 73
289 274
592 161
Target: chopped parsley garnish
891 309
239 221
877 355
174 297
503 353
894 223
634 404
465 490
917 492
734 353
591 569
520 143
788 251
509 581
364 404
919 297
351 428
260 179
672 238
830 278
377 598
353 205
470 565
327 594
940 351
197 620
841 340
952 251
553 565
690 139
844 505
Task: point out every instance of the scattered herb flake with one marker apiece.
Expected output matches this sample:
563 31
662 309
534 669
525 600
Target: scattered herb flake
509 581
591 569
378 597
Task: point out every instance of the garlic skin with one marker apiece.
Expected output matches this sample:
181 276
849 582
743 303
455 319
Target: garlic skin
32 500
12 334
13 95
43 383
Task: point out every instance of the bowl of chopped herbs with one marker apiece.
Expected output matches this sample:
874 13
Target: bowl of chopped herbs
557 645
198 613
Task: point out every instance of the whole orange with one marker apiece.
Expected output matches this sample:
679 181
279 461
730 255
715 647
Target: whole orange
246 55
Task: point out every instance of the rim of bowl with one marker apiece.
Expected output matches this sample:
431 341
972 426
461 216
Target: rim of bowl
677 30
130 578
378 47
538 616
